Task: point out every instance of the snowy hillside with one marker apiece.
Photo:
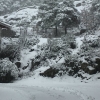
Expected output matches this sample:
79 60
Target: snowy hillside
25 17
9 6
55 54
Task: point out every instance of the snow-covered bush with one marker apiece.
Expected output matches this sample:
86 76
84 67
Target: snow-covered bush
31 41
92 40
55 49
69 41
10 51
55 44
51 49
43 47
8 71
58 46
37 61
91 44
10 48
72 63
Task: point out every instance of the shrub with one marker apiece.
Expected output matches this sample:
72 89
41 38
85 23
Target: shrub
10 51
55 44
10 48
8 71
72 64
31 41
90 46
69 41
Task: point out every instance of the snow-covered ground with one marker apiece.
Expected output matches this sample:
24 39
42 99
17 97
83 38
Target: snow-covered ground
26 56
37 87
65 87
40 88
79 42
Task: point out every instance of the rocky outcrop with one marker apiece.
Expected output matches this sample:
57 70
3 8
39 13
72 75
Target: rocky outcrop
56 69
85 66
51 72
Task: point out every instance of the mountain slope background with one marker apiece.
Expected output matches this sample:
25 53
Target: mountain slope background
5 5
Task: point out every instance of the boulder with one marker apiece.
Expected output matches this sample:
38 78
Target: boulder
97 61
72 45
79 4
31 50
34 64
88 69
84 67
82 31
18 64
51 72
91 70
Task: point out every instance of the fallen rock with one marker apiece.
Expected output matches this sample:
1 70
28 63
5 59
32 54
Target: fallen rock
84 66
51 72
18 64
91 70
79 4
97 61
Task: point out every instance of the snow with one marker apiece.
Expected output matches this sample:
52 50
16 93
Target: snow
35 93
37 87
91 37
27 12
90 68
7 93
42 41
79 42
26 56
22 16
80 8
62 60
58 88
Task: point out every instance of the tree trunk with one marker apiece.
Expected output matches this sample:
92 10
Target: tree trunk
45 30
65 29
56 31
0 38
